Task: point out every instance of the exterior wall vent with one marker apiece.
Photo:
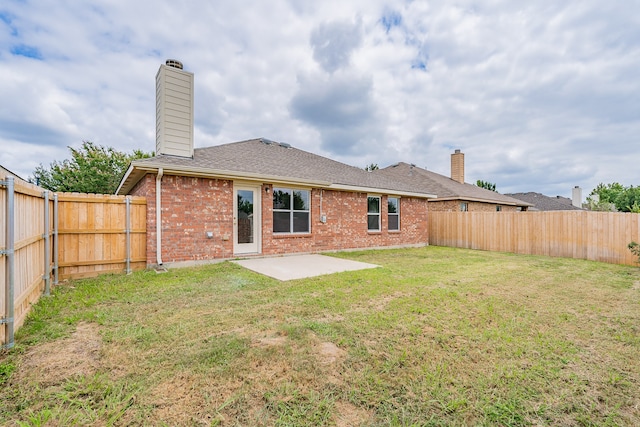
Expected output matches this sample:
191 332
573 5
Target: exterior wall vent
174 110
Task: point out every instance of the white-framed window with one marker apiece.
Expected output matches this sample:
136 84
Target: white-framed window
464 207
373 213
498 208
393 213
291 209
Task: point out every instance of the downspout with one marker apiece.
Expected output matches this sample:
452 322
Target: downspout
159 217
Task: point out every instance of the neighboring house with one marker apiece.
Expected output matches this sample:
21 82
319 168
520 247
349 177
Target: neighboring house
540 202
259 197
7 172
453 194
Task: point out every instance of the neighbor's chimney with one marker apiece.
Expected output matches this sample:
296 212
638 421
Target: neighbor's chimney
174 110
576 197
457 167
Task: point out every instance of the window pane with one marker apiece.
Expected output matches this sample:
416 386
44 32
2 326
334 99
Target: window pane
281 222
281 198
392 204
300 200
373 222
373 204
393 222
300 222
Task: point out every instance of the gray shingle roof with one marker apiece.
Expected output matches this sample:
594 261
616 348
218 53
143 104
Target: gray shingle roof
541 202
443 186
270 160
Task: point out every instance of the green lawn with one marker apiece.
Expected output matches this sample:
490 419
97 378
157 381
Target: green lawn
437 336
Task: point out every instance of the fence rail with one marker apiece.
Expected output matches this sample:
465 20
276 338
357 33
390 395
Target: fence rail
596 236
45 237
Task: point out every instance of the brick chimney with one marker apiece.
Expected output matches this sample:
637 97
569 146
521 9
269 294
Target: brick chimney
457 166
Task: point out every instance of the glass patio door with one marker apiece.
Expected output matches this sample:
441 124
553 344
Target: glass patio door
246 219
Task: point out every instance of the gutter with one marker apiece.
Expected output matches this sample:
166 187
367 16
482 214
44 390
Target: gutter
473 199
377 190
159 216
248 176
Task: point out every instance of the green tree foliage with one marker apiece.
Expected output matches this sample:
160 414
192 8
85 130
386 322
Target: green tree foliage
371 167
486 184
615 197
91 169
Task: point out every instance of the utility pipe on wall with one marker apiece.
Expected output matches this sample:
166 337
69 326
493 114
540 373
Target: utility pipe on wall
159 217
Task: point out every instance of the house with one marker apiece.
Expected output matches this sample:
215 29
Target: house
540 202
259 197
453 194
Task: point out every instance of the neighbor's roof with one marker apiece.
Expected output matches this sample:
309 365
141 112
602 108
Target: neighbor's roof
445 187
263 160
541 202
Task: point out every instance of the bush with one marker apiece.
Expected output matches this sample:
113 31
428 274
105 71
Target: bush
635 249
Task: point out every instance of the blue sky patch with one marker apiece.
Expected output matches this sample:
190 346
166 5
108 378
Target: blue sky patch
419 64
26 51
390 20
8 20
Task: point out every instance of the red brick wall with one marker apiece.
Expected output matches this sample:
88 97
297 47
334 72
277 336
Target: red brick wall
346 226
193 206
190 208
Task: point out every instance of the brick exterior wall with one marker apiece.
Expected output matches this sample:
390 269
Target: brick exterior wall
190 208
454 206
346 226
193 206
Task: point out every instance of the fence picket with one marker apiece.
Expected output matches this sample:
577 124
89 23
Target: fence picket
596 236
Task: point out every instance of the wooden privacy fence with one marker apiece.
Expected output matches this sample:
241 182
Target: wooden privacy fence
94 232
45 237
596 236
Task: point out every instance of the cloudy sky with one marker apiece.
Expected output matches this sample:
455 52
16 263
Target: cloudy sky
540 96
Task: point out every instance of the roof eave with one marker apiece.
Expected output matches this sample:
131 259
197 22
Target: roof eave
137 170
146 167
481 200
345 187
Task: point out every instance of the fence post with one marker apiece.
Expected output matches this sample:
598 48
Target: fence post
47 275
55 239
9 268
128 233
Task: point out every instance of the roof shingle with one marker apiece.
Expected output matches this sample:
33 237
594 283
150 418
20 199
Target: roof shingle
444 187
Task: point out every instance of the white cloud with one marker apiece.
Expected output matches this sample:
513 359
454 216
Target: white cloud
540 96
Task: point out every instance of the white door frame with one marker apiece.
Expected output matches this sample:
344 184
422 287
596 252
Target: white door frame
256 246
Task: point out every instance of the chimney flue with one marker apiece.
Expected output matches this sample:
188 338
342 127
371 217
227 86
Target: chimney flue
174 63
457 166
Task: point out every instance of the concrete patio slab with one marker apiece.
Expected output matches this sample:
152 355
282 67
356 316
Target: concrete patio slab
301 266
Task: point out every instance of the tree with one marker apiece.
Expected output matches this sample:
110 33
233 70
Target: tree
615 196
91 169
486 184
371 167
